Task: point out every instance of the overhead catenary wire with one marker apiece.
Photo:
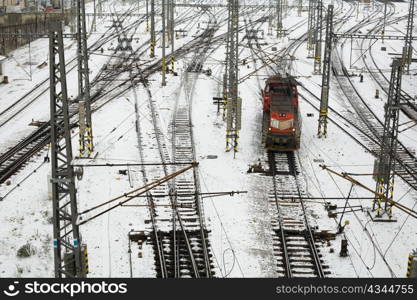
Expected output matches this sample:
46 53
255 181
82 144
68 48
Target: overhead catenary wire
129 196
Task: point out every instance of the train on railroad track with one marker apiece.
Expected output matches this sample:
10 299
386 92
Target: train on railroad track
281 125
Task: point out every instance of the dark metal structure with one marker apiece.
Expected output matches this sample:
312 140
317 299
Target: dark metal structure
85 130
164 63
233 102
67 240
300 7
153 35
408 44
310 30
280 31
318 37
385 163
172 32
325 84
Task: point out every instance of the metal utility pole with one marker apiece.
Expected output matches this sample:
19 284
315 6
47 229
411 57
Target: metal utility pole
85 130
168 20
67 240
72 14
385 19
172 26
408 44
310 30
385 163
300 7
318 37
147 15
233 102
325 84
163 45
153 35
279 18
270 16
94 16
226 68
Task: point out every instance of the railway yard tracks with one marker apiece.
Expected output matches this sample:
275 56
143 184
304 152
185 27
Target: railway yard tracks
294 241
368 123
102 92
176 226
178 234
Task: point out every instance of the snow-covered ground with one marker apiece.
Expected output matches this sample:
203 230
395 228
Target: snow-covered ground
241 231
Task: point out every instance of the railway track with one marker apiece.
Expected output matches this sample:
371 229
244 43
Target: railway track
102 91
16 157
295 245
29 98
294 242
381 79
370 126
183 150
178 233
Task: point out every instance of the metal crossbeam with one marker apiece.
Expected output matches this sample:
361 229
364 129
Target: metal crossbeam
67 241
23 35
213 5
370 36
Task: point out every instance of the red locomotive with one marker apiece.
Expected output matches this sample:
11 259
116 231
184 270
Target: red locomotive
281 128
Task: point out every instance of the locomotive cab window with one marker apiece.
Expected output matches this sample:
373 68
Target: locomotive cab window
281 90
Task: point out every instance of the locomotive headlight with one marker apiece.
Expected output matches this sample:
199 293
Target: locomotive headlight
293 130
274 123
269 128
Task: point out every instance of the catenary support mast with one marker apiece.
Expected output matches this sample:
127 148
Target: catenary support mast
325 84
67 240
85 130
385 163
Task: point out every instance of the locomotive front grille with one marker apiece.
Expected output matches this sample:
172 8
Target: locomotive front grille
283 125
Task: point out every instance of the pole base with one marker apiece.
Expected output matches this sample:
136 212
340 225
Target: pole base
383 217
